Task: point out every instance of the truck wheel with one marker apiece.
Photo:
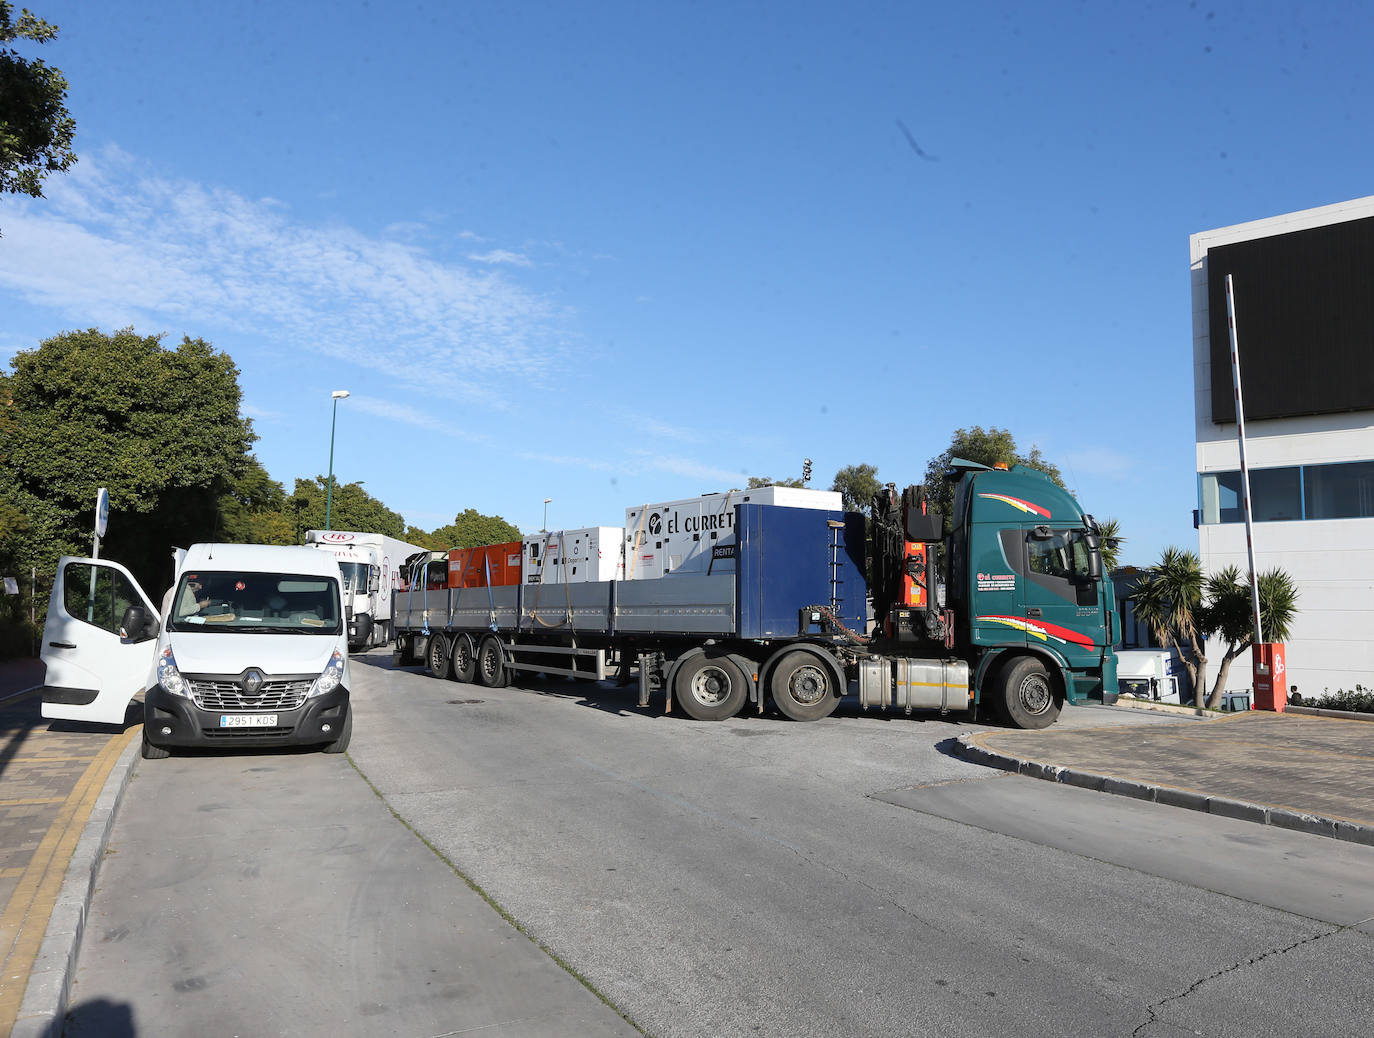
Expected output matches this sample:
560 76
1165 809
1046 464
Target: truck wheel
803 687
491 664
399 652
710 688
1025 693
151 752
341 743
436 655
464 665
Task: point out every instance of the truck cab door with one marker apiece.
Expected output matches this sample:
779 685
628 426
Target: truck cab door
93 670
1063 596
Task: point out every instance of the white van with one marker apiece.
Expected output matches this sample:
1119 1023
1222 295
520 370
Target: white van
250 649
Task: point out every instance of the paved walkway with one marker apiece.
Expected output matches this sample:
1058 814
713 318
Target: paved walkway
1315 774
51 776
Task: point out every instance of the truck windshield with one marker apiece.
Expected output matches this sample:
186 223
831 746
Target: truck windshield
277 603
354 575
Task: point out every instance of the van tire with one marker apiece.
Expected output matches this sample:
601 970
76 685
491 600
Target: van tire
341 743
151 752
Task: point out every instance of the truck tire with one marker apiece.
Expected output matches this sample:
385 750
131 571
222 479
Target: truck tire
803 686
710 688
341 743
399 652
151 752
1025 694
436 655
463 666
491 664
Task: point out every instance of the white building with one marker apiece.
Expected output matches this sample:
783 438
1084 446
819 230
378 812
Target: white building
1304 290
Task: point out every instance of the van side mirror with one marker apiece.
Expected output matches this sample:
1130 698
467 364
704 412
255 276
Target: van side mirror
137 625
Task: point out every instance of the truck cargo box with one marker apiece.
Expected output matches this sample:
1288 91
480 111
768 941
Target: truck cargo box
697 534
574 556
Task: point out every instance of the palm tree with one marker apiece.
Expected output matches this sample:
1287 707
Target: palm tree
1109 536
1230 613
1169 601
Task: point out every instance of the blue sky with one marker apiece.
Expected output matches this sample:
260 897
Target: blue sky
615 253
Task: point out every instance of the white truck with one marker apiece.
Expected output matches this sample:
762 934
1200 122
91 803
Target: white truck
371 564
249 649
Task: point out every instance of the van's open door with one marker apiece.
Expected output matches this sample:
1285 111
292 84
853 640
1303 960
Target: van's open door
93 671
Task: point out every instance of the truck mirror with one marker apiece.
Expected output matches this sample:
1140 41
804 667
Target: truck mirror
1094 555
925 528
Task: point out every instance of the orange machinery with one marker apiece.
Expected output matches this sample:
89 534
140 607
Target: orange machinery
469 567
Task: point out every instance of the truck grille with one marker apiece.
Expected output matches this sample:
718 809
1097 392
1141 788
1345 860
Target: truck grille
227 695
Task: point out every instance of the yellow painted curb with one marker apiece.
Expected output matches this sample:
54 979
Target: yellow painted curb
25 919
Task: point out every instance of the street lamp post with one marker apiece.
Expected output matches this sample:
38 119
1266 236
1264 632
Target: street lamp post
545 528
338 395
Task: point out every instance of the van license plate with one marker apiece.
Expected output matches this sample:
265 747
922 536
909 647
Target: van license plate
248 720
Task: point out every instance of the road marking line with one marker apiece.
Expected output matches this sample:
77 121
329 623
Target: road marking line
25 919
48 760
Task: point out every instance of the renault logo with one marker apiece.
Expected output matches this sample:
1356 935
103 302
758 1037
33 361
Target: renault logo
252 682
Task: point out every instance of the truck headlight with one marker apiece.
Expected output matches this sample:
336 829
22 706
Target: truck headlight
330 677
168 676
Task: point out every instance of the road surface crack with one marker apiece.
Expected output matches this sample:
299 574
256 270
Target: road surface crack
1254 960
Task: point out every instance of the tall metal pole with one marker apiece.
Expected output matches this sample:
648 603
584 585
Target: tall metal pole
545 527
338 395
1244 470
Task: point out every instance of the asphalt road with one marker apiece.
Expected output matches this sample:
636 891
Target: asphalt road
751 877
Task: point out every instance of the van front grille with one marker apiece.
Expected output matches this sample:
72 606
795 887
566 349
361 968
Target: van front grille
227 695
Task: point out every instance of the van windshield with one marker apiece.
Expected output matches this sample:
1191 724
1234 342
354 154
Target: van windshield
275 603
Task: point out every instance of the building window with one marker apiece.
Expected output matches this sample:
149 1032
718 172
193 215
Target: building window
1340 491
1344 491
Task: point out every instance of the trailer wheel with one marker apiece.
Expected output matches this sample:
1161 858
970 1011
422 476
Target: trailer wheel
464 665
1026 695
436 655
710 688
400 651
803 687
491 664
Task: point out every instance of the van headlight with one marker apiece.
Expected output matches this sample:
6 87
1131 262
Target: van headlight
330 677
168 676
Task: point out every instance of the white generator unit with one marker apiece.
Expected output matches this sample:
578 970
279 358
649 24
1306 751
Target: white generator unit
573 556
697 535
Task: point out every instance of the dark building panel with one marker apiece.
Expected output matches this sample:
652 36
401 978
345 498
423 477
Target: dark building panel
1305 317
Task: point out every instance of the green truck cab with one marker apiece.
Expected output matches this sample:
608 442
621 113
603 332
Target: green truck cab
1034 608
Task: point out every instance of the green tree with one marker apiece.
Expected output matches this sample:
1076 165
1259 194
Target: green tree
857 484
987 447
159 428
1169 600
470 529
253 510
423 538
1111 542
35 127
1229 614
758 482
351 508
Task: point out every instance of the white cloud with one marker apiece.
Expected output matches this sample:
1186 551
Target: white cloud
694 469
495 256
114 245
408 415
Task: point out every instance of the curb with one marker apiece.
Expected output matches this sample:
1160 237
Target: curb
1264 814
43 1012
1348 715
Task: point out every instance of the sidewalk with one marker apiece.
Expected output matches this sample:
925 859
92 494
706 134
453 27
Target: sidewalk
1312 774
60 785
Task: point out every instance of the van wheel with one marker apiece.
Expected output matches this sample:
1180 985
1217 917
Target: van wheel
710 688
803 687
491 664
1026 695
341 743
151 752
464 660
436 655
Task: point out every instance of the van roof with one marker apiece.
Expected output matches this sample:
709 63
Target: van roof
261 558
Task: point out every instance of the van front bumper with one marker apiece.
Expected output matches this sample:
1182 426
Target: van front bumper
170 720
